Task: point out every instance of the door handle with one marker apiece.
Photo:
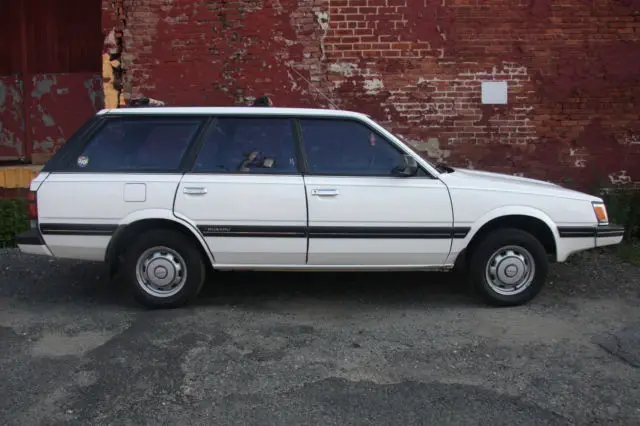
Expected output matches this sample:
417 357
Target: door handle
194 191
325 192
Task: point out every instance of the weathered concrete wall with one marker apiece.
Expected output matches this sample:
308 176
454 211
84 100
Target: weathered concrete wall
572 67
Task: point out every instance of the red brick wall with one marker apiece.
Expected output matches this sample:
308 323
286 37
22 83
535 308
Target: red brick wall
573 69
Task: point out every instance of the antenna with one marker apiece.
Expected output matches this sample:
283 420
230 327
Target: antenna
314 88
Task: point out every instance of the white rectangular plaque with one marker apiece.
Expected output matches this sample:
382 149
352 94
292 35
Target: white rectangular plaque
494 92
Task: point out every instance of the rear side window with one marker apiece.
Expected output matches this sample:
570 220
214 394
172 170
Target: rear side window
145 144
248 145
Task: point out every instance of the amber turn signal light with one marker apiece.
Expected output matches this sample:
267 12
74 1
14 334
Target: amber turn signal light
601 213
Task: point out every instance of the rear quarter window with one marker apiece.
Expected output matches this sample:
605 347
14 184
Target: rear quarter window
143 144
62 156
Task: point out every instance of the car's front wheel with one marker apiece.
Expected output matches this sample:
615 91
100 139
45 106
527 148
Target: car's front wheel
508 267
164 269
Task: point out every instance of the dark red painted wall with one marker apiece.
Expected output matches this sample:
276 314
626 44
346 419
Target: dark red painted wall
58 104
50 70
572 67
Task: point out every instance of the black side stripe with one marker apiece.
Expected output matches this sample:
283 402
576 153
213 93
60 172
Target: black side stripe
327 232
332 232
77 229
610 231
577 232
591 231
253 231
460 233
387 232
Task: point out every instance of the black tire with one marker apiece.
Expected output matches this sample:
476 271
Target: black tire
190 256
483 254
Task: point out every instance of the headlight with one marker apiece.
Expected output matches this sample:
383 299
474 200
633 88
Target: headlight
600 211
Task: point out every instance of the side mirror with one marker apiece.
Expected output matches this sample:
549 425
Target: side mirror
408 168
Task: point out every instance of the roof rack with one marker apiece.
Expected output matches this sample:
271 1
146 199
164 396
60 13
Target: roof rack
144 102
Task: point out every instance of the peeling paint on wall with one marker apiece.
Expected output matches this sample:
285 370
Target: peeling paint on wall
61 104
373 86
48 120
42 84
416 66
3 94
620 178
322 18
345 69
94 88
11 118
432 148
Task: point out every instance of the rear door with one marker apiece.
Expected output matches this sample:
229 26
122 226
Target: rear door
360 214
129 164
246 195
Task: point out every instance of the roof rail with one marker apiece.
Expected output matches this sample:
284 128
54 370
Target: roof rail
144 102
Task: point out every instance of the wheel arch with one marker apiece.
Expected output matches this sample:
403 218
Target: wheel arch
142 221
528 219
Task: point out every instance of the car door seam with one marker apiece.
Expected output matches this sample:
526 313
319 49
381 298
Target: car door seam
306 228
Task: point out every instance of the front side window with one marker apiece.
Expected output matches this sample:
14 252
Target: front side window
347 147
138 144
248 145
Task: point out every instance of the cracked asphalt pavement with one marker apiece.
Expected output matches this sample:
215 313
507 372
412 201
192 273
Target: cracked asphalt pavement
318 349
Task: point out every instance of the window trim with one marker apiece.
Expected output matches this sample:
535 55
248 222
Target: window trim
65 162
307 170
68 162
296 147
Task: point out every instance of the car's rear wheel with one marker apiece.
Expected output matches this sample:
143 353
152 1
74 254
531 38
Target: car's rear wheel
508 267
164 269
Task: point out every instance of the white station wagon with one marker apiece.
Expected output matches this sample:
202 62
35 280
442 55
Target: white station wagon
166 195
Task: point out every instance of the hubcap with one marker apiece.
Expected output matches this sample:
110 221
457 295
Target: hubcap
161 272
510 270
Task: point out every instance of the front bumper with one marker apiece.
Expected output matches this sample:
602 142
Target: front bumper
575 239
608 235
610 231
31 242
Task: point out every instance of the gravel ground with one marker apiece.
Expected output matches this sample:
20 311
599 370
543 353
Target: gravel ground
402 349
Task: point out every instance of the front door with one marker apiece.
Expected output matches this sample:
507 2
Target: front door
246 195
360 214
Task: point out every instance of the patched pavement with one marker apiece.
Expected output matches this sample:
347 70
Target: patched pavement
318 349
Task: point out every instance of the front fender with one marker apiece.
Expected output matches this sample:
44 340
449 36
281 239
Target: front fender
459 245
512 211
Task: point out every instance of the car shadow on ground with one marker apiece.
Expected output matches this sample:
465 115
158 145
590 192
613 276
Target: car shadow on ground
255 289
259 290
33 279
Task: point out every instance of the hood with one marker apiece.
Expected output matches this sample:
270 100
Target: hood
499 177
489 181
